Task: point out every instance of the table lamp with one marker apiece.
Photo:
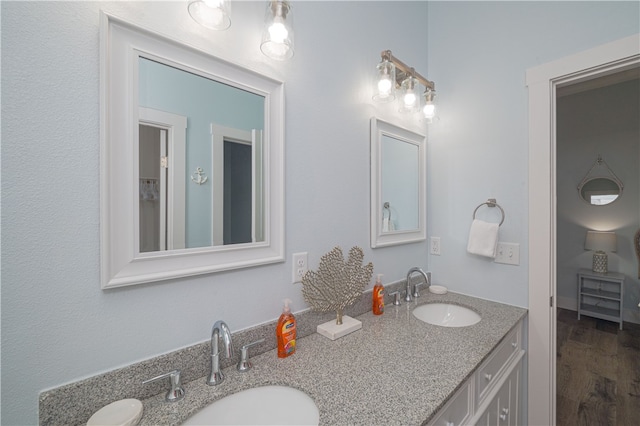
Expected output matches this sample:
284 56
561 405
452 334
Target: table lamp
600 242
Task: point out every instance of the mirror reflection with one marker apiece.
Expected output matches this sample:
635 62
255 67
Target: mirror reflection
400 178
200 165
600 191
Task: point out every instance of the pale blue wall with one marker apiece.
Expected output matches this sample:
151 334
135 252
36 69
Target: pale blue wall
58 326
203 102
478 55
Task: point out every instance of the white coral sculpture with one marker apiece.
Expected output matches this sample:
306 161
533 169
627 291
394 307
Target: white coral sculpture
337 284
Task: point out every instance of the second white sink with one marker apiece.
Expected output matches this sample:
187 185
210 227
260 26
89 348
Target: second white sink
266 405
446 315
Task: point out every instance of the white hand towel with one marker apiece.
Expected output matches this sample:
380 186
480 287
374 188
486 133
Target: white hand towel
483 238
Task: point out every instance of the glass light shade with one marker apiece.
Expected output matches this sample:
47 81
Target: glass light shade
601 241
409 98
429 108
385 90
212 14
277 37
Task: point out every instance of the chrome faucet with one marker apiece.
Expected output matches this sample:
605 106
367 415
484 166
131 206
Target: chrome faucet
220 329
411 272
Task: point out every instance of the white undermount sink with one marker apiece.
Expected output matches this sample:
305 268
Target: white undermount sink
446 315
266 405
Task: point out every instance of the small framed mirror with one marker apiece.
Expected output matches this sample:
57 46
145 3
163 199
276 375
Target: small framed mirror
600 190
192 160
398 182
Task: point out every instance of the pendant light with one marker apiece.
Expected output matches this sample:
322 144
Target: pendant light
277 37
212 14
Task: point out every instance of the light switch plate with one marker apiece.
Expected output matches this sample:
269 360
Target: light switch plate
508 253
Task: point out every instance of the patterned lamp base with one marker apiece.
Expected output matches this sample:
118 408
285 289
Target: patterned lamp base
600 262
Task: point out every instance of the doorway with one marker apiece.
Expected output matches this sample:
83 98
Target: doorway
597 359
542 82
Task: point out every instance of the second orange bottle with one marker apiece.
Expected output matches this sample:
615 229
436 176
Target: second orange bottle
377 305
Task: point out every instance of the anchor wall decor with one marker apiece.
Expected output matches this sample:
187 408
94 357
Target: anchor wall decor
201 176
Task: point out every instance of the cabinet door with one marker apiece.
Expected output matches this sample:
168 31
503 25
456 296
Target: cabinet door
458 409
501 408
513 410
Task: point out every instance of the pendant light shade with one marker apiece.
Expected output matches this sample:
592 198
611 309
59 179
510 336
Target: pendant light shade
386 81
277 37
212 14
429 108
409 98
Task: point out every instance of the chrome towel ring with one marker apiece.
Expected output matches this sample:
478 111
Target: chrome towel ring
491 202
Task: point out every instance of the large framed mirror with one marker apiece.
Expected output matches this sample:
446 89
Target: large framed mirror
192 160
398 182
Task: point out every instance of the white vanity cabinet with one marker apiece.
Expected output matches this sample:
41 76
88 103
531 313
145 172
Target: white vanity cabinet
491 396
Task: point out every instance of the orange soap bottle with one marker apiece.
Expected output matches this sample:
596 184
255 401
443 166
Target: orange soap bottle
286 332
377 304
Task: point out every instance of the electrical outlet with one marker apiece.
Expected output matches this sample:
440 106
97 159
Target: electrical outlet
435 246
300 266
508 253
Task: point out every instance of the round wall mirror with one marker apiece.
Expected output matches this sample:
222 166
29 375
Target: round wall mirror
600 191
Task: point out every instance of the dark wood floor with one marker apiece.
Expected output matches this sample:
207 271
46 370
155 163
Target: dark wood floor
598 372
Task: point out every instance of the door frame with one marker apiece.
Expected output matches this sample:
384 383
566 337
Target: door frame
176 127
542 82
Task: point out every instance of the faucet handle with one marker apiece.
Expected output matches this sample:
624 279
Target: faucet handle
176 393
244 364
416 292
396 298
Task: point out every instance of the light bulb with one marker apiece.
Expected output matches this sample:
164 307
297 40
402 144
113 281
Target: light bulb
429 110
409 99
278 32
384 87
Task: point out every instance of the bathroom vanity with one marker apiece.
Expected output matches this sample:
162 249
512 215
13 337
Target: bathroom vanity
396 370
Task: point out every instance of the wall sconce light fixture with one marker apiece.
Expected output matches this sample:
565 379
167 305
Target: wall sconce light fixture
601 243
394 74
277 37
213 14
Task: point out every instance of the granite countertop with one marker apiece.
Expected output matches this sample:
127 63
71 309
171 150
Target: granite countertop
395 370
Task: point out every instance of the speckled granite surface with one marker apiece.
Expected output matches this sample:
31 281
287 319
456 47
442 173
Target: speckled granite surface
396 370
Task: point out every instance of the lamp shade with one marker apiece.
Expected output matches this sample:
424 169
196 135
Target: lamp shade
601 241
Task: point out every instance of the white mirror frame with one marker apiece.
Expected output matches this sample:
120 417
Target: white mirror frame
121 262
379 129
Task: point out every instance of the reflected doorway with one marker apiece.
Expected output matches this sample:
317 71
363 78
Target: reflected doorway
153 188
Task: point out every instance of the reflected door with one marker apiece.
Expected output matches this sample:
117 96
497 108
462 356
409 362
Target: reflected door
161 172
153 188
237 193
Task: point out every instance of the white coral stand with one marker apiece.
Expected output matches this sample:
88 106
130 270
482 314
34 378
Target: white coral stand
334 331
